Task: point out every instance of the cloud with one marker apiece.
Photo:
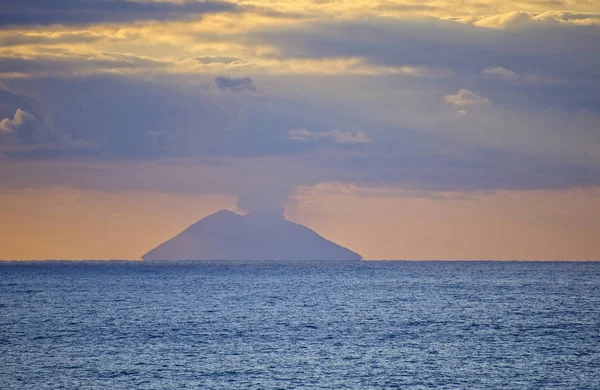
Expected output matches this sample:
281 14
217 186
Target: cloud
511 19
500 72
24 136
22 126
68 64
235 84
13 38
342 137
524 49
420 144
300 134
464 97
218 60
579 18
406 7
267 194
522 19
77 12
337 136
127 117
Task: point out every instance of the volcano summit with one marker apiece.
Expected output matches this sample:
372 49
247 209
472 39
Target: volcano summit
226 235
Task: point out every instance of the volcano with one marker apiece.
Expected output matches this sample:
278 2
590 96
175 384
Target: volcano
226 235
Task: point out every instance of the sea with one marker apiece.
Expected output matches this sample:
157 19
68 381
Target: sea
299 325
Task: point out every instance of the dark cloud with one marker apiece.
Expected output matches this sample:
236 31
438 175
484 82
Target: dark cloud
128 118
550 49
118 118
235 84
475 169
265 182
76 12
529 97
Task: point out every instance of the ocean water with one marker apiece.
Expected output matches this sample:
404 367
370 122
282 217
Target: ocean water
299 325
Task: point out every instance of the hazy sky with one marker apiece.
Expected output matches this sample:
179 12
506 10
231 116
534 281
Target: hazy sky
400 129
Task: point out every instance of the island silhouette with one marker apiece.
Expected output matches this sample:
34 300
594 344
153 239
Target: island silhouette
226 235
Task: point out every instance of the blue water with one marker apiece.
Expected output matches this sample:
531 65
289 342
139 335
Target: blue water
241 325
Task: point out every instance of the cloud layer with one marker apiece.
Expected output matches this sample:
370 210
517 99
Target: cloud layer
337 136
420 95
79 12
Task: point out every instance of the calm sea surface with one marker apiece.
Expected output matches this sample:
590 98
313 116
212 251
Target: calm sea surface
259 325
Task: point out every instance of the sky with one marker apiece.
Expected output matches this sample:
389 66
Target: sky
401 129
